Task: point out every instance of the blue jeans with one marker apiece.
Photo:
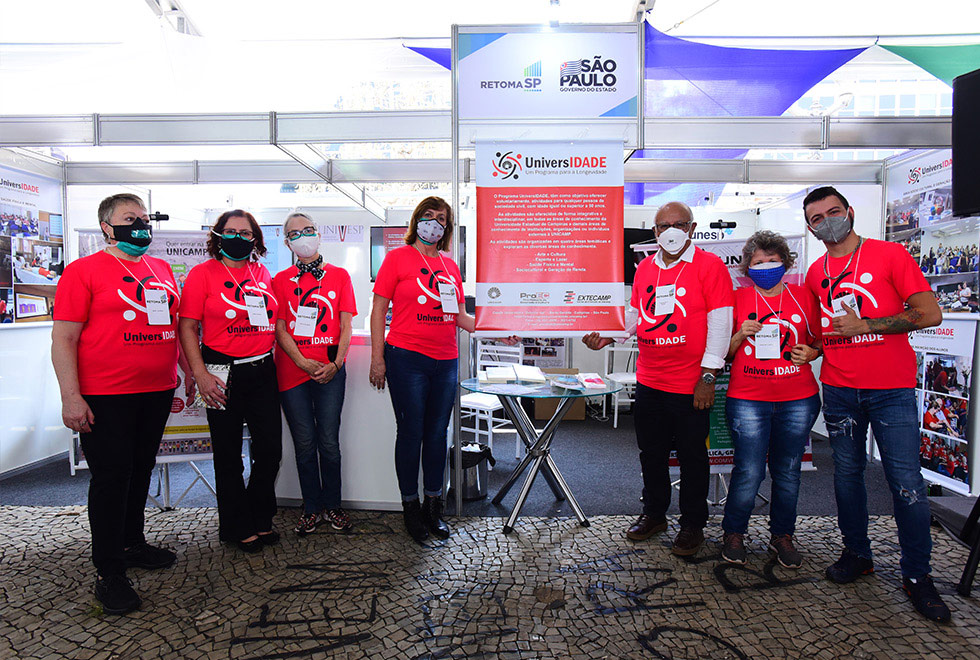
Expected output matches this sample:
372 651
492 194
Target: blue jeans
894 420
776 431
422 391
313 415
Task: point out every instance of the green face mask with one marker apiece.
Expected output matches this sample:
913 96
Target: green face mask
132 250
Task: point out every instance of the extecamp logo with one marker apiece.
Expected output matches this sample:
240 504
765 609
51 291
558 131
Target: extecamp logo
506 165
531 82
588 75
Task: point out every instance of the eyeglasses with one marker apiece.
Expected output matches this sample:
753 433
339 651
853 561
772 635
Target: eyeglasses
683 226
232 233
296 233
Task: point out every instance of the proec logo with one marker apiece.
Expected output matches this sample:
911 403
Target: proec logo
588 75
531 82
537 298
506 165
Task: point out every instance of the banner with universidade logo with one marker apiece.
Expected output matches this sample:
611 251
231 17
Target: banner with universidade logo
549 238
919 215
560 74
944 369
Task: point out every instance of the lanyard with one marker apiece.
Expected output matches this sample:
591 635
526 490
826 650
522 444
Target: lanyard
426 261
676 279
778 304
319 283
238 285
826 261
141 261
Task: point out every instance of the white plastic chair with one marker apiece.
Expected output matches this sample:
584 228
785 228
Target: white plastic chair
628 354
482 408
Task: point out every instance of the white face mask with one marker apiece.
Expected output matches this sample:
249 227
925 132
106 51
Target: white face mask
672 239
430 231
305 246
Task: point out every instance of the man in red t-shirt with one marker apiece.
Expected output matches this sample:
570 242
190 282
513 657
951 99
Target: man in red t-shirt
684 297
872 294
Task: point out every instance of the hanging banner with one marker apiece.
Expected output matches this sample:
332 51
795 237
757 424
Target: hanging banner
919 215
32 245
944 362
182 250
721 451
550 238
568 73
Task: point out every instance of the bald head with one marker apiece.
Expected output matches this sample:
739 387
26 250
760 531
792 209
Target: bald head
673 213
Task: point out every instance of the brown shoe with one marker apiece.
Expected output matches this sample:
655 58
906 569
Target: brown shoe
689 540
645 527
786 553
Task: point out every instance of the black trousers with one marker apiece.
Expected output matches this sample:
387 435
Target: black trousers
244 510
666 421
121 451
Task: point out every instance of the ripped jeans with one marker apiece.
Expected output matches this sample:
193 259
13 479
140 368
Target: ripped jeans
893 416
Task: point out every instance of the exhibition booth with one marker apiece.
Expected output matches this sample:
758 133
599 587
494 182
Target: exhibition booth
637 134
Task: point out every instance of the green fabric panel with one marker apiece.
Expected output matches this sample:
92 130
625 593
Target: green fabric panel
944 62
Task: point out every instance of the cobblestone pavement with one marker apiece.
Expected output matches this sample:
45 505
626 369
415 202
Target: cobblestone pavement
551 589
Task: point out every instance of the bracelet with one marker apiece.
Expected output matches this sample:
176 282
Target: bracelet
336 365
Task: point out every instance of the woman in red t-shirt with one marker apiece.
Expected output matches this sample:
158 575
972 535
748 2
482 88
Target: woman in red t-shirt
772 399
228 302
115 352
313 330
419 356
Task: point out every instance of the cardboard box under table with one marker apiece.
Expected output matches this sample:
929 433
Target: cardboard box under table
545 408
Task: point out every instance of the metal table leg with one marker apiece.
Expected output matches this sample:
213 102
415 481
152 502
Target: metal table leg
529 436
538 457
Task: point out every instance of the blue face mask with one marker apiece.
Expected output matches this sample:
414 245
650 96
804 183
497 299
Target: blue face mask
767 275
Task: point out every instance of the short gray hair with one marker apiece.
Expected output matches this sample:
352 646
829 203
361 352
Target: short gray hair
296 214
108 206
769 242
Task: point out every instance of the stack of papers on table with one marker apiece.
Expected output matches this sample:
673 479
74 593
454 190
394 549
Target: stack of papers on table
497 374
568 381
592 381
529 373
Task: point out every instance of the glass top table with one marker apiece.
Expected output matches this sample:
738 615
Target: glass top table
538 443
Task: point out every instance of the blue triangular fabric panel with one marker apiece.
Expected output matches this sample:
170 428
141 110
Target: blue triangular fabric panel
624 109
688 79
441 56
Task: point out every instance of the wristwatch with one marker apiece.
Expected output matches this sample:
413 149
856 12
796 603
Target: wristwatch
708 378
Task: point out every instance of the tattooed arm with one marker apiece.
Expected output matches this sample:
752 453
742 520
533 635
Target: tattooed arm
922 312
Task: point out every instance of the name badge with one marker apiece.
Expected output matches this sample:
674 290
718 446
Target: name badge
665 300
767 342
305 321
255 306
157 306
838 305
447 294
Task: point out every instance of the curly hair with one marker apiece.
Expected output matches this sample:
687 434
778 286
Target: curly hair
769 242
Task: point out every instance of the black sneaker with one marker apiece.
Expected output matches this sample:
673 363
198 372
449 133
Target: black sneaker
926 599
116 594
338 519
270 538
307 524
148 556
849 567
733 548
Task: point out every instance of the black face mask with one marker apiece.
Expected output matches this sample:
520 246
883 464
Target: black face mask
140 233
237 248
